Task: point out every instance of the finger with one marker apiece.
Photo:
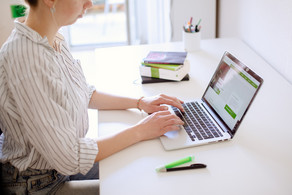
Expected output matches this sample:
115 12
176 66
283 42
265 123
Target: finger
171 98
170 119
170 128
173 121
159 108
173 102
164 112
165 116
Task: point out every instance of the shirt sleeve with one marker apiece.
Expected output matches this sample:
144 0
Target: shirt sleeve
49 115
91 89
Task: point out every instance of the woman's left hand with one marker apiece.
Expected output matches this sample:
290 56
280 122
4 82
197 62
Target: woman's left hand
155 103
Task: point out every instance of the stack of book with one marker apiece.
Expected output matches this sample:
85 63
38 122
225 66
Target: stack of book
165 65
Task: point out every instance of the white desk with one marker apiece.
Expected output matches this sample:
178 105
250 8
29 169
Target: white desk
252 163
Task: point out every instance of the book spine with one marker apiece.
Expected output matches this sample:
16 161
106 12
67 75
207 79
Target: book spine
155 62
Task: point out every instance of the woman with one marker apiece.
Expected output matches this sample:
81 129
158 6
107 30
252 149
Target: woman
43 108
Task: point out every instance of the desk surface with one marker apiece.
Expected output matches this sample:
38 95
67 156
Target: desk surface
254 162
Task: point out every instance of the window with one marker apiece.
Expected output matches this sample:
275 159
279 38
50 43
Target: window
104 24
121 22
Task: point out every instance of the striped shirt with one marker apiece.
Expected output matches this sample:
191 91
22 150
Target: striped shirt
44 99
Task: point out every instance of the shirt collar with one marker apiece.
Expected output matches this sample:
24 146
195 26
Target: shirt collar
30 33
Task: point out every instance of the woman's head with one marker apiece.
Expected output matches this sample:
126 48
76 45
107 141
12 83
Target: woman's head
65 11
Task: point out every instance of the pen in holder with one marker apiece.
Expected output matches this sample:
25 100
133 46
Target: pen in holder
192 36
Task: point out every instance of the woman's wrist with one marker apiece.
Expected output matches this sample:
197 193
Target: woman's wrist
136 133
139 103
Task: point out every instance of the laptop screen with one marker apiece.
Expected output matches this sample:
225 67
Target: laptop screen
231 90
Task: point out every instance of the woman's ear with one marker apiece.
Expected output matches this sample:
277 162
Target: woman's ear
50 3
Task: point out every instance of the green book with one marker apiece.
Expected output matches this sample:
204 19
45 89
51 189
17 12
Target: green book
173 67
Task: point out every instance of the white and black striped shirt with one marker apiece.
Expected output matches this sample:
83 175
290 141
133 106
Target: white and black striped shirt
44 99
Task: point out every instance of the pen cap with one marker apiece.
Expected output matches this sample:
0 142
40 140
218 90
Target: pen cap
191 41
180 162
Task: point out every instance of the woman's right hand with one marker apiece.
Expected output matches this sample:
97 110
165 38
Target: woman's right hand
152 126
158 124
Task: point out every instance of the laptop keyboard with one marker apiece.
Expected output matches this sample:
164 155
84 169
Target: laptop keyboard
197 122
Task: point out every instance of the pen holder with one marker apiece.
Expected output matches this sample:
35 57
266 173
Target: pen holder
191 41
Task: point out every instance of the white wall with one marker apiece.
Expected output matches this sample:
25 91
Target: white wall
6 22
182 10
265 25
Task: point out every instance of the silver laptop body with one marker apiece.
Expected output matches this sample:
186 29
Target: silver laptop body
217 115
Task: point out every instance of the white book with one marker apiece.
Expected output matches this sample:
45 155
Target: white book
161 73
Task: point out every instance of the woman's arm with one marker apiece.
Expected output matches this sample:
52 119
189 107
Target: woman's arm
152 104
104 101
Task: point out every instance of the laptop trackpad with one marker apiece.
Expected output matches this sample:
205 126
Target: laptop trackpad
173 134
175 139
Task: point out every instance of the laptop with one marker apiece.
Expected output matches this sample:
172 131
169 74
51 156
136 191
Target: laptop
217 115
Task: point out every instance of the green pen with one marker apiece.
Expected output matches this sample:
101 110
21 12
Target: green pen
175 163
